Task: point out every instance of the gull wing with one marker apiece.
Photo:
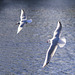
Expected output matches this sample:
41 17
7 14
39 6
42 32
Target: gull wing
58 30
50 53
23 16
20 27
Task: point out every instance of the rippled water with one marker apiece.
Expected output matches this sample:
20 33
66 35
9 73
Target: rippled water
24 54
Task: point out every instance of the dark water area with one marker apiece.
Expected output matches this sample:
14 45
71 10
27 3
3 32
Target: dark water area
24 54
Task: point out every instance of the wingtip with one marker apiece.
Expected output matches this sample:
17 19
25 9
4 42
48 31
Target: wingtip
17 32
22 10
43 65
59 22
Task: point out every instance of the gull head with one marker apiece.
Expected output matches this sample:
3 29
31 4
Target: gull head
49 41
17 23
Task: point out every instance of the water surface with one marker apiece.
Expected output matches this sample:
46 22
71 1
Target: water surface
24 54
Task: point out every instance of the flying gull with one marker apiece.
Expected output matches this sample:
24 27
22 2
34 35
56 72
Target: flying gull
23 20
54 42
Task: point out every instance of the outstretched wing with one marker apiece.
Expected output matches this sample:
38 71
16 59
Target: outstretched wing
49 54
58 30
23 16
19 29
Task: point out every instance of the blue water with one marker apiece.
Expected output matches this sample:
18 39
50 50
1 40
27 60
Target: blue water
24 54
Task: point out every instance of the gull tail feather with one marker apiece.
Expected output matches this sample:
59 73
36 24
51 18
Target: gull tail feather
62 42
29 21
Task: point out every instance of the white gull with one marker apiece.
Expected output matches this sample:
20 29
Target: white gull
23 20
54 42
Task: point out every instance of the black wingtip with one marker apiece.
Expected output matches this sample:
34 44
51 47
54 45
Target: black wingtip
59 22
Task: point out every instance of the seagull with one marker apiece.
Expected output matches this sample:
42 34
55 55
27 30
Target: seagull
23 20
54 43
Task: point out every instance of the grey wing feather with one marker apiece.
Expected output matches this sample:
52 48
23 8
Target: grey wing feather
49 54
58 29
23 16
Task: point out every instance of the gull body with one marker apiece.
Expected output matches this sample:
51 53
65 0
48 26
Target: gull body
23 20
54 42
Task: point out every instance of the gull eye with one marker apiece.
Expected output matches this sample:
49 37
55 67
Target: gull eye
49 41
18 23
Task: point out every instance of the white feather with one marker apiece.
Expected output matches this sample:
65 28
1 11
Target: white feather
19 29
23 20
62 42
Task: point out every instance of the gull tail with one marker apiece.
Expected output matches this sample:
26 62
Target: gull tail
62 42
29 21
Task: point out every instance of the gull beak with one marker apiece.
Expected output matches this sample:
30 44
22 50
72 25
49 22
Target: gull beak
47 41
16 24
